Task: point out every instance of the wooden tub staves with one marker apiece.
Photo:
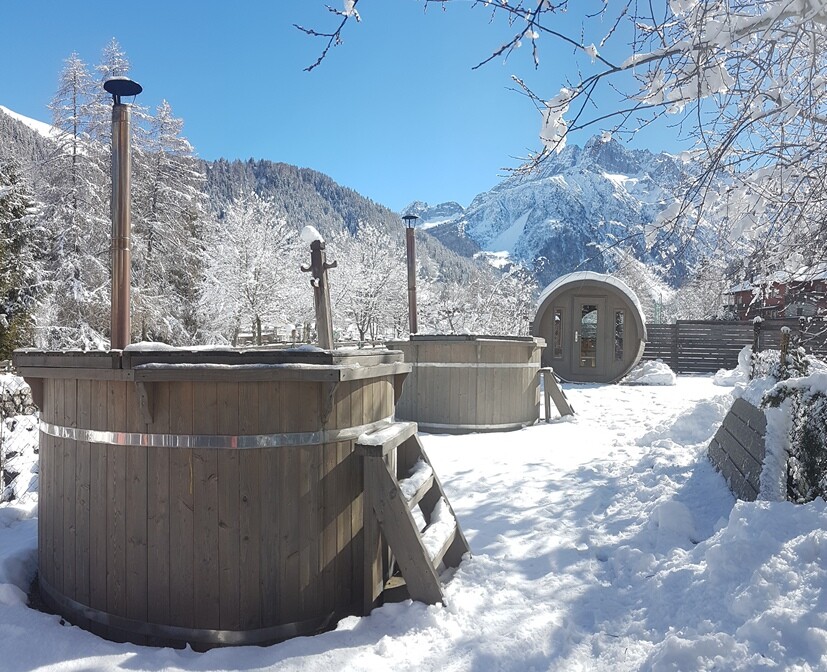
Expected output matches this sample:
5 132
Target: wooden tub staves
207 497
468 383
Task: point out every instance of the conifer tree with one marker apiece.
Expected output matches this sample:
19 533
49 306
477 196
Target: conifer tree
251 275
169 210
75 216
18 276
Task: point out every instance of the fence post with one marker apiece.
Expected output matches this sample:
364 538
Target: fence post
756 345
785 346
675 350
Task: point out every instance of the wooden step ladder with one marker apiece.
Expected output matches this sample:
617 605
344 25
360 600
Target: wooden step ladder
398 478
553 391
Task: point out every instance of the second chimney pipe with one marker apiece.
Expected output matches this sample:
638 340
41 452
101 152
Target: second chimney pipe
410 244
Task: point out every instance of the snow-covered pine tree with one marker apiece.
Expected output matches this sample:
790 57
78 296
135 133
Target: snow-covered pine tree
75 217
370 291
18 275
168 212
113 63
251 272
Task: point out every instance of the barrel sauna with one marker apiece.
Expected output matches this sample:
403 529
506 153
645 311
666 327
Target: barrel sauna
207 497
468 383
594 325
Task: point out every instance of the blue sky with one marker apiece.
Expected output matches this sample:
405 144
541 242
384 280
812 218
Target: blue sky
395 113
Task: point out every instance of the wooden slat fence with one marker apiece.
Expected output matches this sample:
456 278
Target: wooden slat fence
704 346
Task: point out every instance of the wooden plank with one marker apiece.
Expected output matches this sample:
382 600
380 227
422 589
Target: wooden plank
288 569
229 532
716 454
45 522
205 511
738 455
159 546
348 415
751 441
250 510
82 494
310 531
136 490
328 545
380 442
460 545
58 500
752 416
270 397
357 539
182 527
242 374
399 529
98 500
68 487
116 511
297 404
741 486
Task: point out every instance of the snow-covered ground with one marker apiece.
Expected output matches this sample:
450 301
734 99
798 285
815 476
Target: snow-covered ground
601 542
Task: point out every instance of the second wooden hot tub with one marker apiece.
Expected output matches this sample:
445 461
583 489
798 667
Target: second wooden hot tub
471 383
207 497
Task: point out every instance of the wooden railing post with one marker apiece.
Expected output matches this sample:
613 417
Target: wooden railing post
756 345
785 347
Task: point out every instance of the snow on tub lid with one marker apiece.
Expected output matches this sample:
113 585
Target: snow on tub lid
585 276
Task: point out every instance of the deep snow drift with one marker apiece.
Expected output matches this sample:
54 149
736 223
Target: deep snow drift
605 541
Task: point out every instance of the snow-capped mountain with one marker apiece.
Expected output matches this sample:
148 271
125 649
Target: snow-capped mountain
434 215
565 216
40 127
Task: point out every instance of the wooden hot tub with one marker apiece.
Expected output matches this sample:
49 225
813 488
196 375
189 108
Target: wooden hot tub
207 497
462 384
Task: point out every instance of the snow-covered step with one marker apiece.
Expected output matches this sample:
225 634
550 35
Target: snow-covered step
404 493
417 485
439 535
380 442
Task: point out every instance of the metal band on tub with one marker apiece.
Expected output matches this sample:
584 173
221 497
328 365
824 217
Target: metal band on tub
216 442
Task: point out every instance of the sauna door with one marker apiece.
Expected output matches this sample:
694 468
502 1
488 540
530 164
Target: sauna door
589 360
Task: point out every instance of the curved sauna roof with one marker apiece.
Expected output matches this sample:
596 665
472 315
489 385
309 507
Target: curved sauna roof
565 282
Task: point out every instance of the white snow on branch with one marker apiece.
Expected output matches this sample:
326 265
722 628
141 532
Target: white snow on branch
553 131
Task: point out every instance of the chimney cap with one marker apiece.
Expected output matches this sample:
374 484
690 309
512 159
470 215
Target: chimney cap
122 86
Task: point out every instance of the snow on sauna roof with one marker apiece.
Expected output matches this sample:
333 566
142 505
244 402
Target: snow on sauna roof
585 276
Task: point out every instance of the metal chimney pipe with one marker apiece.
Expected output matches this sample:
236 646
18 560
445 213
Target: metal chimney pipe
410 245
121 210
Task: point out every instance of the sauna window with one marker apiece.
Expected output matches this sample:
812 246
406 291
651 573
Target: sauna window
588 336
620 318
557 334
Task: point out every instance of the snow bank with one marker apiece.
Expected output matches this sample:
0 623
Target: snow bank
740 374
654 372
751 597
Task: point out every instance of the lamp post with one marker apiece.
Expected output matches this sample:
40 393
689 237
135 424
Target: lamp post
121 207
410 221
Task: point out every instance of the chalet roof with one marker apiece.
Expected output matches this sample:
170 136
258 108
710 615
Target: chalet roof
803 274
